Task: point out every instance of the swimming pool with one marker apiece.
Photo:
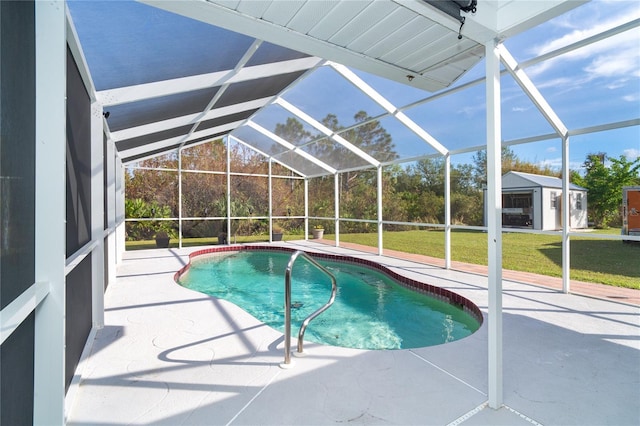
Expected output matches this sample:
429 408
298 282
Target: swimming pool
374 308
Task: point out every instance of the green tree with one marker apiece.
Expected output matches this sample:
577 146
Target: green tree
357 188
480 164
605 185
510 162
155 180
421 190
137 208
292 131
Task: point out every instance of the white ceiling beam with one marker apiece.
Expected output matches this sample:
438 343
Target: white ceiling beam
166 143
327 131
225 84
172 123
532 91
174 86
389 107
169 144
131 163
291 147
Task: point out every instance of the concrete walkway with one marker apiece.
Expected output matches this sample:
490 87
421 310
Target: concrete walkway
607 292
168 355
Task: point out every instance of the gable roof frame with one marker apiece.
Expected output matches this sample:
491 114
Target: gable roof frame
389 107
224 85
328 132
291 147
270 157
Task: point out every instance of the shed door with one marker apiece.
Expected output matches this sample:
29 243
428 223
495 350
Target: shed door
517 209
633 210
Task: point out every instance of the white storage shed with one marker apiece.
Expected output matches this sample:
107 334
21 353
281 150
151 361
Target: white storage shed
535 201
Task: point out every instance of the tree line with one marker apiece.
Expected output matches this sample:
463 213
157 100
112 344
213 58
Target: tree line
411 193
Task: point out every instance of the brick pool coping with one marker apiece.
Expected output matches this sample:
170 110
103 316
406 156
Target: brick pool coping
436 292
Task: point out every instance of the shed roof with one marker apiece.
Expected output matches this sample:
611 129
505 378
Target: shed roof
542 180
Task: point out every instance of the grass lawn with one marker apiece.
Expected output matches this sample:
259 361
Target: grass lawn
600 261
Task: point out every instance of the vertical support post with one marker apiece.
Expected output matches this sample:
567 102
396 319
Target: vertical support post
566 218
336 203
120 213
270 201
306 208
179 197
110 168
50 214
97 216
287 316
380 227
228 189
494 223
447 211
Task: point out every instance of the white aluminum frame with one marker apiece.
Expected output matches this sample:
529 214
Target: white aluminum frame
51 88
325 130
389 107
97 216
494 223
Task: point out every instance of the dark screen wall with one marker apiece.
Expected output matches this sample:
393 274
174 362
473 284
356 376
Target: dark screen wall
17 202
78 319
17 207
78 160
78 282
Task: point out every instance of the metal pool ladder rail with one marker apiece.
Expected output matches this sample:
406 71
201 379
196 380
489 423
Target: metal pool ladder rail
287 305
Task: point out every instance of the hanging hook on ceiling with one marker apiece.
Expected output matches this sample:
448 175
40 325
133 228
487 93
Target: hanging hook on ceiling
461 25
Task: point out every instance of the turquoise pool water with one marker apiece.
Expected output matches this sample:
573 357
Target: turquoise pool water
371 310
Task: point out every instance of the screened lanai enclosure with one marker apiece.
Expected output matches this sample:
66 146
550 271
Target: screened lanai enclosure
338 147
219 120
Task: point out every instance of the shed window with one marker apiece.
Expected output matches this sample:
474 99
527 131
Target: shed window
579 201
554 199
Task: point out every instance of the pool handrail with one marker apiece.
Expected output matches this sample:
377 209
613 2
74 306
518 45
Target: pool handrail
287 303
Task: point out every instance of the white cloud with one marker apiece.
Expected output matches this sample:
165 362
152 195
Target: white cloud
617 84
471 110
556 163
562 83
631 153
620 62
614 57
519 109
583 30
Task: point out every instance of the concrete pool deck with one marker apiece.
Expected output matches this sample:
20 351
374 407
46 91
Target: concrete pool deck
168 355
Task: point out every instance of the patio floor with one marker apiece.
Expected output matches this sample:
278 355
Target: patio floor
168 355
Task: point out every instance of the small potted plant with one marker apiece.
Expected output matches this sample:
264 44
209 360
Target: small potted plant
162 239
276 233
318 232
222 238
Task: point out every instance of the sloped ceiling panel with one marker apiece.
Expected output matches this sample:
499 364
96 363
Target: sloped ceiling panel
167 81
382 37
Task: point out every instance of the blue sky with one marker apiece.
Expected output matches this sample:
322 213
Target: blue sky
590 86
